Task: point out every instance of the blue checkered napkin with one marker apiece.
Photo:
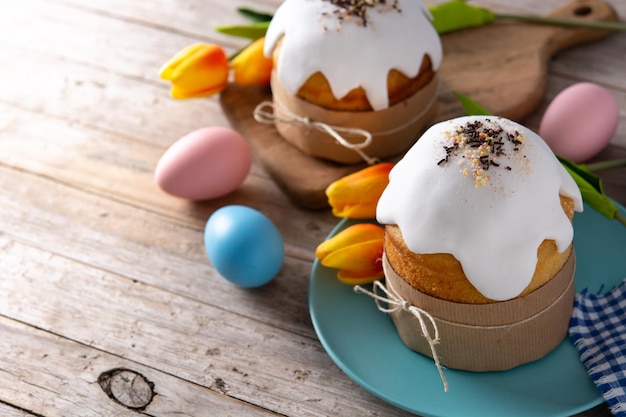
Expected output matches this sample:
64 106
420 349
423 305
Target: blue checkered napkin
598 330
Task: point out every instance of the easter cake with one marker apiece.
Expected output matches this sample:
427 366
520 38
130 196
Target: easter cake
365 69
478 233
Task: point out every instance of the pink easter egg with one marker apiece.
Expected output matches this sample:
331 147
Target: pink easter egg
580 121
204 164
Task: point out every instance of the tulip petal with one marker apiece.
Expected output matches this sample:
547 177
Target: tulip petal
358 210
356 195
351 235
179 93
198 70
251 66
372 178
347 277
361 257
167 70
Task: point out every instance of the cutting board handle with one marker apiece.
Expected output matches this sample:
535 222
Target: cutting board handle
562 37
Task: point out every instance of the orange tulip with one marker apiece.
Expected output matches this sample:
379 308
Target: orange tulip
199 70
251 67
356 196
356 251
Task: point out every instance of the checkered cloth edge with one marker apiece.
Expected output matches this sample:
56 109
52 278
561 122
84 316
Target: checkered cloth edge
598 331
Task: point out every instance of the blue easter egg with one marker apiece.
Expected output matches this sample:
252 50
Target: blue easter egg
244 245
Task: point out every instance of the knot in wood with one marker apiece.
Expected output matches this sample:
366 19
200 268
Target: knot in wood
127 387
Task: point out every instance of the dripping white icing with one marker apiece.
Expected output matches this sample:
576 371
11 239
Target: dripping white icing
493 221
349 54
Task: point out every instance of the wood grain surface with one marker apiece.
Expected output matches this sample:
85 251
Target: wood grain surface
101 271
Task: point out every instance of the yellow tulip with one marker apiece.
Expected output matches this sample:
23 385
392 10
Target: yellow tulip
356 196
198 70
356 251
251 67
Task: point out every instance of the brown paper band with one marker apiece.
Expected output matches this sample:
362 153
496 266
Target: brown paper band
267 113
393 130
493 314
502 343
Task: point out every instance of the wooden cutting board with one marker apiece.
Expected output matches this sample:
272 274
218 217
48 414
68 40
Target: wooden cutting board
502 66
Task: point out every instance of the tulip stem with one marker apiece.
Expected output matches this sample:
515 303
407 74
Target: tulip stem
564 22
613 163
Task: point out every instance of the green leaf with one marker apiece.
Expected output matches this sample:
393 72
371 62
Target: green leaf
470 106
252 32
457 14
254 16
590 188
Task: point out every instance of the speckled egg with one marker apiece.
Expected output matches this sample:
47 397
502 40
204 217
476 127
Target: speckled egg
580 121
207 163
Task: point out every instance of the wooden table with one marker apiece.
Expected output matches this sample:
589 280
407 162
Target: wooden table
100 271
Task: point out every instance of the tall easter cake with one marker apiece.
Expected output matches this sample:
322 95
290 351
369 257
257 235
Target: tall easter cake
478 227
356 66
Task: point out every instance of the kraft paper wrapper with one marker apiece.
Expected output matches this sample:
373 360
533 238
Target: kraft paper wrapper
394 130
489 337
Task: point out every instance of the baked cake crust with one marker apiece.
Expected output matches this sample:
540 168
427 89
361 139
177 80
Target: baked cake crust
317 89
441 275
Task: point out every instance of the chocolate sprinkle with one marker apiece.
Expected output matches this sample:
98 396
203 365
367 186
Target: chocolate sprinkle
480 145
347 9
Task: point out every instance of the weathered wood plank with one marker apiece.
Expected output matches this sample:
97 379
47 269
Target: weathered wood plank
7 410
103 40
110 165
189 17
594 62
144 247
52 376
99 269
230 354
131 109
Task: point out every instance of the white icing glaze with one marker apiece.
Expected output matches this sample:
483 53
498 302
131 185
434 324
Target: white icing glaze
349 54
493 226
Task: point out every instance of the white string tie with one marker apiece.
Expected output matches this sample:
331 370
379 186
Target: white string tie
396 303
265 113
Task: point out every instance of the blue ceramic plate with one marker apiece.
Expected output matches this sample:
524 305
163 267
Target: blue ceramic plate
363 342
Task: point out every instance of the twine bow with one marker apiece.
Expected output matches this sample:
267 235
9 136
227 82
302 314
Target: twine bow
264 113
396 303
